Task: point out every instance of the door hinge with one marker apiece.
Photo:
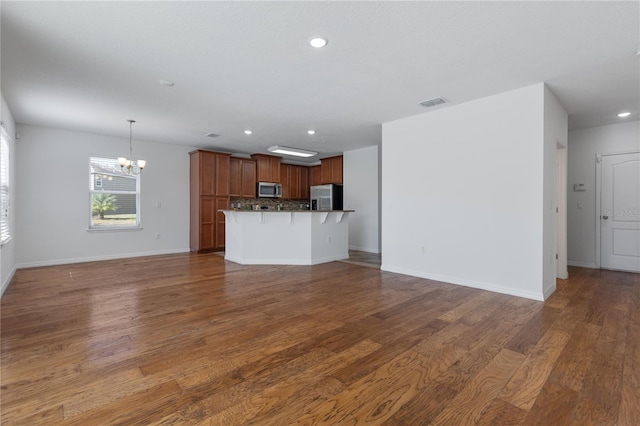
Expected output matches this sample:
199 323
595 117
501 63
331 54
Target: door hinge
556 210
556 256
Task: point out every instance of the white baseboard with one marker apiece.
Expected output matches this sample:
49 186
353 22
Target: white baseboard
590 265
366 249
314 261
6 282
548 292
98 258
467 283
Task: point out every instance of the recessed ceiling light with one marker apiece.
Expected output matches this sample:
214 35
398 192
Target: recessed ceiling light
311 132
167 83
318 42
248 132
211 135
291 151
624 114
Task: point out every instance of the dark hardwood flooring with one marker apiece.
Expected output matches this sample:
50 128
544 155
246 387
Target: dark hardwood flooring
192 339
363 258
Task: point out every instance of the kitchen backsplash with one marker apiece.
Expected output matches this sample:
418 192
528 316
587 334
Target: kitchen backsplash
269 203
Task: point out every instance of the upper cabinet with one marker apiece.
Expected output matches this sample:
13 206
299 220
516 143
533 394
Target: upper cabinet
315 175
304 183
222 174
268 167
249 178
295 181
331 170
242 177
210 173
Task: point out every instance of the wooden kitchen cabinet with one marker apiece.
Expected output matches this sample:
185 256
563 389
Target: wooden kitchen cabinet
304 183
235 177
285 176
249 178
315 175
242 177
331 170
222 174
294 180
209 189
268 168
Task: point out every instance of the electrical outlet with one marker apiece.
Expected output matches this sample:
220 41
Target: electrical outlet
158 236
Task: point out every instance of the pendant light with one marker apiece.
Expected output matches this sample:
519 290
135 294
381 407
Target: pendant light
129 165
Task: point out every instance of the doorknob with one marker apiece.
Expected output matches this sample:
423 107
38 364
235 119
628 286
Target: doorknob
605 217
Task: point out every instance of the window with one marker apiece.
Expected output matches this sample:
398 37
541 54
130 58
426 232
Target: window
115 196
5 189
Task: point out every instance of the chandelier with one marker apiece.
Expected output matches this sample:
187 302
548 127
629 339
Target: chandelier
129 165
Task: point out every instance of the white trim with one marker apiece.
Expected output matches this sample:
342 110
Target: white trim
579 264
6 282
99 258
549 291
561 214
467 283
598 207
314 261
115 229
628 151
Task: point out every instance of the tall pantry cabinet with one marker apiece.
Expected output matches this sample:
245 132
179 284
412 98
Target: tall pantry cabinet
209 192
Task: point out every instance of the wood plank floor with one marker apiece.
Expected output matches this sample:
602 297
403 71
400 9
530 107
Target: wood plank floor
363 258
192 339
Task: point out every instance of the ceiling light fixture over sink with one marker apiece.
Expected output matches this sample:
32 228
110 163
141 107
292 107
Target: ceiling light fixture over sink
624 114
291 151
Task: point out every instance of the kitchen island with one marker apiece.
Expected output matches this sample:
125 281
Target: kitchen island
300 237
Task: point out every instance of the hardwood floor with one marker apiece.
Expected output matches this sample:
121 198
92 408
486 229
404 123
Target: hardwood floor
192 339
363 258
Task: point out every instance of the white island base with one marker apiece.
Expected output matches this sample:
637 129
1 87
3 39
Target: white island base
271 237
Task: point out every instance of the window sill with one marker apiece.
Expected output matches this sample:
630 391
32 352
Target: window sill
115 229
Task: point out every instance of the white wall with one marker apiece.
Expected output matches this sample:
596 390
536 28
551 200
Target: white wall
362 194
53 198
555 133
8 251
463 194
583 146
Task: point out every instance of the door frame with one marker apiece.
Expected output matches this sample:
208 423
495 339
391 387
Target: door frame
562 271
599 199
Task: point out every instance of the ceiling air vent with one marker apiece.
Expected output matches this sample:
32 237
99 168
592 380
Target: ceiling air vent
211 135
433 102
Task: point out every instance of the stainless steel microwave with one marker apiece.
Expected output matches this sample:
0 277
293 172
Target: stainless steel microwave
269 190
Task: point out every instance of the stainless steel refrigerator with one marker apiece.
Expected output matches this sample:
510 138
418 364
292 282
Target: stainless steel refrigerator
326 197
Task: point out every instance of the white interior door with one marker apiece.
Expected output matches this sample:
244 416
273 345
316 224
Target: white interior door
620 212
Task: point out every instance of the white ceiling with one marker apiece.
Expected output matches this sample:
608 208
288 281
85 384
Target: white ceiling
90 66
